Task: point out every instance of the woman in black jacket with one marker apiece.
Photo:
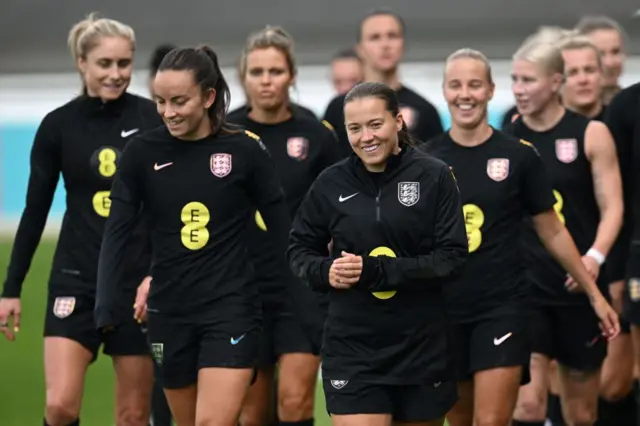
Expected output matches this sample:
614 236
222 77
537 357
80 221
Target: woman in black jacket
398 232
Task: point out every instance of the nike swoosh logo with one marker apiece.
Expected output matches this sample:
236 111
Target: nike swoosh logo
501 340
127 133
157 167
437 384
237 340
343 199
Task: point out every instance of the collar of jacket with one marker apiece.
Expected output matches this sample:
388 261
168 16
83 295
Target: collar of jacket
93 106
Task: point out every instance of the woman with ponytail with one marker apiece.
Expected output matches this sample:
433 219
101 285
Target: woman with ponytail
198 182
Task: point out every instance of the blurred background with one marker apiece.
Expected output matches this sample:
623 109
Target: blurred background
37 75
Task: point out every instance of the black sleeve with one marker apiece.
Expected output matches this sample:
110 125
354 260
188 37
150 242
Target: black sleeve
45 167
125 212
449 254
266 192
330 148
308 241
620 118
429 123
536 189
334 115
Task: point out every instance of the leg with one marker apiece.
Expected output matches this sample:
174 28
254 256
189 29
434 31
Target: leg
297 387
461 414
554 408
531 406
175 349
298 369
257 406
134 384
65 365
221 392
132 362
495 395
580 354
160 411
358 404
70 345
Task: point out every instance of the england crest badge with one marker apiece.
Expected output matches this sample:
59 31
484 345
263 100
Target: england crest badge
408 193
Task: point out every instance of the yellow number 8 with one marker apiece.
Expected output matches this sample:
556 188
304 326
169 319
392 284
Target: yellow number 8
194 233
558 206
383 251
473 221
107 162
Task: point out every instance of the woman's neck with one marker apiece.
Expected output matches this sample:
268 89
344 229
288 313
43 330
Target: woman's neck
274 116
545 119
471 137
390 78
590 111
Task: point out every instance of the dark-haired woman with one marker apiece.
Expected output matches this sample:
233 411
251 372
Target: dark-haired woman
398 232
198 183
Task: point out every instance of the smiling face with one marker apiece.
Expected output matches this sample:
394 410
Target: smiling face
467 90
182 104
372 131
106 69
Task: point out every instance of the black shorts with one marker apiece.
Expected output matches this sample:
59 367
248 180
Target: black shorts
406 403
182 345
501 341
283 334
71 316
569 334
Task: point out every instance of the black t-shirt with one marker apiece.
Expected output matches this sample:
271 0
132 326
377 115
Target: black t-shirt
199 196
508 116
421 117
83 141
502 181
562 151
407 223
301 148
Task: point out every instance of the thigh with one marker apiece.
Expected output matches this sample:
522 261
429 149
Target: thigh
345 397
175 349
496 394
221 392
70 316
65 367
423 403
503 341
578 339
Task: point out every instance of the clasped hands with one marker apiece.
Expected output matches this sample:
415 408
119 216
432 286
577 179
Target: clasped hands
345 271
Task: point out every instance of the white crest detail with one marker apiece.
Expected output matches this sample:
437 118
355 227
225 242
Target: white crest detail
339 384
221 164
498 168
567 150
64 306
408 193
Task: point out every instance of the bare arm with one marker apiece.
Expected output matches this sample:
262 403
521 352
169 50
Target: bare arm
607 184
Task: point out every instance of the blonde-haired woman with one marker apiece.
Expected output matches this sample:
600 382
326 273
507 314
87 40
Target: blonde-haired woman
580 157
83 141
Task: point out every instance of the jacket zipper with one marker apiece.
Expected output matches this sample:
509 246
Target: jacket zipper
378 205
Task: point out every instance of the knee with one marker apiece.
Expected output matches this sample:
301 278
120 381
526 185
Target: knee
132 415
60 410
580 418
491 419
531 408
615 390
296 404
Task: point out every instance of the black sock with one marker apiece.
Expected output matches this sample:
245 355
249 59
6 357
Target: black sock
308 422
75 423
160 412
554 410
636 392
519 423
619 413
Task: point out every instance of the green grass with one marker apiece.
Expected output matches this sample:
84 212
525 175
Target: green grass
22 389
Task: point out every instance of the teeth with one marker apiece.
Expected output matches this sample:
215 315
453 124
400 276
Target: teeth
370 148
465 107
